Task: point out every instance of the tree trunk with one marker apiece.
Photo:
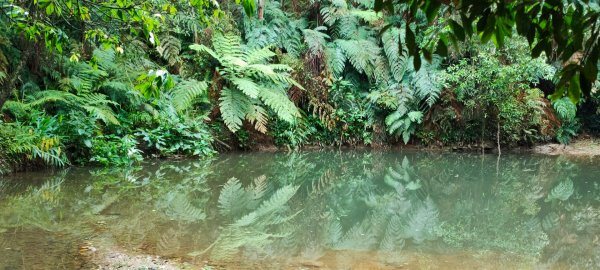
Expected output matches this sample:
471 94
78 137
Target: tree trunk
261 9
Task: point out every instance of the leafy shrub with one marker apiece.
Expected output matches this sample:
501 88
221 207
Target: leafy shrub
32 143
115 150
178 138
567 111
489 96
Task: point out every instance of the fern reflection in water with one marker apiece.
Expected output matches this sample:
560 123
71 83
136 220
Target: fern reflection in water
334 208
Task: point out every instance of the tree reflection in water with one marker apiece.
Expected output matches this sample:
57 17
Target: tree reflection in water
329 209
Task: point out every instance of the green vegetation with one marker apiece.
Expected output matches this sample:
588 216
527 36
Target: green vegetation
114 82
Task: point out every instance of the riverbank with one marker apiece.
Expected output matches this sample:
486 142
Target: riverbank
581 147
586 147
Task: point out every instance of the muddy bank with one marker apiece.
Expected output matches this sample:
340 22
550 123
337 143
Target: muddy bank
580 148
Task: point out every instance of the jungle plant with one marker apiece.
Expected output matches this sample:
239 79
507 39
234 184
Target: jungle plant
567 111
33 141
250 83
493 98
115 150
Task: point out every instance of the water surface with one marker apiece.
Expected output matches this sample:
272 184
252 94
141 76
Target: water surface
311 210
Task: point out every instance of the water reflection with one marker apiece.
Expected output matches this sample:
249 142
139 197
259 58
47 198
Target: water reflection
336 210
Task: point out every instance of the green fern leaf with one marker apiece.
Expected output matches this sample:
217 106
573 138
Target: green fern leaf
169 49
247 86
234 106
233 199
315 40
258 116
259 55
185 92
565 108
279 102
397 54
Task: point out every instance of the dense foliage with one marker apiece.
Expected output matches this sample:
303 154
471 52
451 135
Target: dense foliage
113 82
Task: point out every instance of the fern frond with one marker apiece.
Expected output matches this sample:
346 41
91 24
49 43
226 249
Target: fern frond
105 59
247 86
202 48
277 200
50 96
369 16
231 197
336 59
104 114
258 116
347 27
562 191
315 40
259 55
234 107
169 49
397 54
565 108
425 82
360 53
185 92
227 44
279 102
422 222
179 207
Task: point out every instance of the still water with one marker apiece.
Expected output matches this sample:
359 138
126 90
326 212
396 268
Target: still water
311 210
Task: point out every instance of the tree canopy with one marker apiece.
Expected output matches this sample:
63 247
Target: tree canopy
565 30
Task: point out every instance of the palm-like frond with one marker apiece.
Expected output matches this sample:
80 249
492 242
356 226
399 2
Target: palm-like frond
185 92
169 49
360 53
234 107
397 54
280 103
250 82
316 40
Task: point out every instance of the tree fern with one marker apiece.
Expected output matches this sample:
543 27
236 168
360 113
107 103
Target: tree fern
397 54
185 92
316 40
169 49
280 103
234 107
250 82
